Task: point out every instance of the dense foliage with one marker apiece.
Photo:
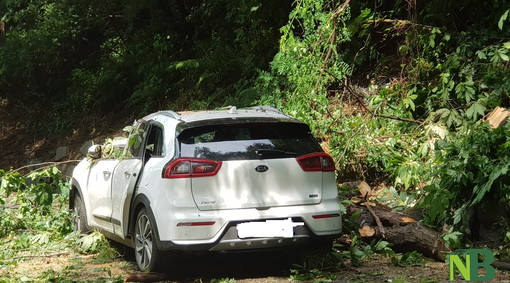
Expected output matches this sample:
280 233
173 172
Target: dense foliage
472 171
437 71
395 90
36 223
72 57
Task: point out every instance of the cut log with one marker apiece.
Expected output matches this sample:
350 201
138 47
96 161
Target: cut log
388 217
401 230
377 220
367 232
417 238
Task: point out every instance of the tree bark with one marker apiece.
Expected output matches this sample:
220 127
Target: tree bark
502 265
401 230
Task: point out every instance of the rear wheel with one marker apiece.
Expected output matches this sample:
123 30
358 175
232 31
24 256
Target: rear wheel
80 216
145 241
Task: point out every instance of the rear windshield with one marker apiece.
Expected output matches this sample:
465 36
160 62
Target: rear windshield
247 141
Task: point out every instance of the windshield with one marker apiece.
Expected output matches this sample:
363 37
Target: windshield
247 141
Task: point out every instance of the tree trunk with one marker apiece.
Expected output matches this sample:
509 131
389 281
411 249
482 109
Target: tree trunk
2 31
401 230
501 265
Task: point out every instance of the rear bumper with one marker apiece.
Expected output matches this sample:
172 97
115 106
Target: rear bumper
229 241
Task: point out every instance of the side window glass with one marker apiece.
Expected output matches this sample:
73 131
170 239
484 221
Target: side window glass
114 148
135 140
154 145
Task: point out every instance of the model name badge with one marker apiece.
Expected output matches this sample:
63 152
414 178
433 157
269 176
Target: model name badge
261 168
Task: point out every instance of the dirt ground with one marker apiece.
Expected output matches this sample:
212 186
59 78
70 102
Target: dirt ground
224 268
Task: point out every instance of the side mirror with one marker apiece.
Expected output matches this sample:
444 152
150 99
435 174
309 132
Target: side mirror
94 152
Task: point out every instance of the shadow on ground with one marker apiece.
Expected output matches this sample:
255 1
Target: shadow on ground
207 266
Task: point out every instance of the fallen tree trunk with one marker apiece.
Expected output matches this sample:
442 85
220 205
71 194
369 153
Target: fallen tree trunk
401 230
501 265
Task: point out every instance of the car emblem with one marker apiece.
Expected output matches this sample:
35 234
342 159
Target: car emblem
261 168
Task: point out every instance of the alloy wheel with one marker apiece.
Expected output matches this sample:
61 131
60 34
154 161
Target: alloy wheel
144 241
76 218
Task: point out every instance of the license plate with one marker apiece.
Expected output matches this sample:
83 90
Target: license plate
267 229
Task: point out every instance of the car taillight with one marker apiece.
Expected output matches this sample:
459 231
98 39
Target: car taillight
316 162
191 167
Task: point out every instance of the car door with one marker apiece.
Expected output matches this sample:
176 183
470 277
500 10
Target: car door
125 177
99 193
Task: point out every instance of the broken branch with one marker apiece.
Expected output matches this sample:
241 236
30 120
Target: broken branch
377 220
50 255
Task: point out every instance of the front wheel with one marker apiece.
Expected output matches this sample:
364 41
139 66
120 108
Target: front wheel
80 217
145 236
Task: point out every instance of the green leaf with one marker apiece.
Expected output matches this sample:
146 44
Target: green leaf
410 104
479 108
465 90
502 19
502 54
432 42
457 216
476 109
481 55
394 192
443 112
452 239
128 129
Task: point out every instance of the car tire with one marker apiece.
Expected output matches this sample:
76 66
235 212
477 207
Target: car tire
147 254
80 215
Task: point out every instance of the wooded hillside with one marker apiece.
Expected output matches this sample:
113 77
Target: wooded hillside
396 91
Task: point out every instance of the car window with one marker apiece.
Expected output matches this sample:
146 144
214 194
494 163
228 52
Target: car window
247 141
114 148
136 139
155 142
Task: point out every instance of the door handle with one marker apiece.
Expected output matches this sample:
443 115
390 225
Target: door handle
107 172
127 174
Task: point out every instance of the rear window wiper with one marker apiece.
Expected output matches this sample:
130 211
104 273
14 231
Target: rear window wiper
274 153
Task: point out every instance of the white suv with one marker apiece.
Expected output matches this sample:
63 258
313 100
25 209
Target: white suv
209 181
